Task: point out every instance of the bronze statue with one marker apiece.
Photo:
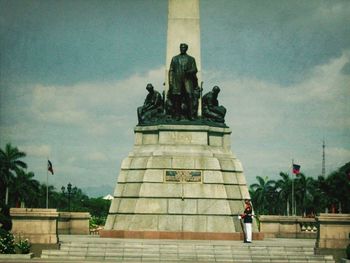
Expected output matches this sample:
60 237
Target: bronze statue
152 108
182 82
210 106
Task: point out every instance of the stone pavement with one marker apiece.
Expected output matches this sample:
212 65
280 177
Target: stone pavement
94 249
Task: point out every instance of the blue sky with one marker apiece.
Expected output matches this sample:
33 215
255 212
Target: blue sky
72 74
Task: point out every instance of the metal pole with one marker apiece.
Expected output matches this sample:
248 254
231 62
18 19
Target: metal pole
69 190
7 195
293 204
47 184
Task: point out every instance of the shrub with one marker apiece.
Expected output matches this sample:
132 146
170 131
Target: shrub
97 221
7 243
348 251
23 246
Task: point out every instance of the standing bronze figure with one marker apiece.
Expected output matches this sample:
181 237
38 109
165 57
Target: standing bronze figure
182 82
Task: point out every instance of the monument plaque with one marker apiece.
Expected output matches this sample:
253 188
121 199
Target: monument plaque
178 176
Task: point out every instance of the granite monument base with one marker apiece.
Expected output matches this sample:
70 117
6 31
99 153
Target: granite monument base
179 181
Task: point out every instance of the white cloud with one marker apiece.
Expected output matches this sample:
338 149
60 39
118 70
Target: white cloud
330 10
57 105
266 105
94 105
272 124
342 154
97 156
36 150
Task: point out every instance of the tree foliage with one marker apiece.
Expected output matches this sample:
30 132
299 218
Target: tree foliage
312 196
23 188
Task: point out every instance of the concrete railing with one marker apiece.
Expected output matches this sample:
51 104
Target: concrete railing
76 223
42 226
288 226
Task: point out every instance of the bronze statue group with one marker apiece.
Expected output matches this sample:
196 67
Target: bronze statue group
181 102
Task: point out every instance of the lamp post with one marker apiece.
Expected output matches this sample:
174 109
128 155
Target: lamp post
70 191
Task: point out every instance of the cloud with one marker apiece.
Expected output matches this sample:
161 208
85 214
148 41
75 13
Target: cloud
266 105
57 105
36 150
97 156
274 123
342 154
93 105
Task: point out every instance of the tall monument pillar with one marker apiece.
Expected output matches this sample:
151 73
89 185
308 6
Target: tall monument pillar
181 180
183 27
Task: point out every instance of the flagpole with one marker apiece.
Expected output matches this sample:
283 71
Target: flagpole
293 205
47 185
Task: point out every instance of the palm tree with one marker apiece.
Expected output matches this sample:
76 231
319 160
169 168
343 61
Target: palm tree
10 160
303 186
25 188
261 194
284 188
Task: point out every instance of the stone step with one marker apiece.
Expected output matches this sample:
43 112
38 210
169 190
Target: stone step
184 256
241 253
81 249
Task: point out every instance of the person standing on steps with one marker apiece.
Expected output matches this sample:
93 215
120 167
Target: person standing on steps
247 217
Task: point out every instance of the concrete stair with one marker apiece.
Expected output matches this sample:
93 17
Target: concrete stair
87 248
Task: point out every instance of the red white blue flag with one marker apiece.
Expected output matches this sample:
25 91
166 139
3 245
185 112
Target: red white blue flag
296 169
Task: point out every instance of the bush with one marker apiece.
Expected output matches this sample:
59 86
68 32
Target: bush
23 246
348 252
7 243
97 221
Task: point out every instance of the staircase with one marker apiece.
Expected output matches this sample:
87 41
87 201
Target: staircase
90 248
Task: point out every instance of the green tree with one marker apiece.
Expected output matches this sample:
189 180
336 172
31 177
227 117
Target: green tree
25 188
337 187
303 192
284 189
318 199
262 193
11 162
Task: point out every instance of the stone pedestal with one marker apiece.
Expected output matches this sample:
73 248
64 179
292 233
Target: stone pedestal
180 181
38 225
333 235
334 231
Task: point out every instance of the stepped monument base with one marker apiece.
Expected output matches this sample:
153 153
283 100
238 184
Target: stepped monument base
179 182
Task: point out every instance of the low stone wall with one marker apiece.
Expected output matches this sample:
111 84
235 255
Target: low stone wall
333 235
42 226
288 226
13 257
38 225
76 223
334 231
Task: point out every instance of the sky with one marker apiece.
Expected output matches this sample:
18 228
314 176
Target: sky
72 74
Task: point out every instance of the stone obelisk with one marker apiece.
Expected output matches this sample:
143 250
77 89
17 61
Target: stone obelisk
183 27
180 181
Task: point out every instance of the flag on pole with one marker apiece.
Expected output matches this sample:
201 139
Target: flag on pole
296 168
49 167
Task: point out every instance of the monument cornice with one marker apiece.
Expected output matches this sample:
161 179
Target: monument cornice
176 127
